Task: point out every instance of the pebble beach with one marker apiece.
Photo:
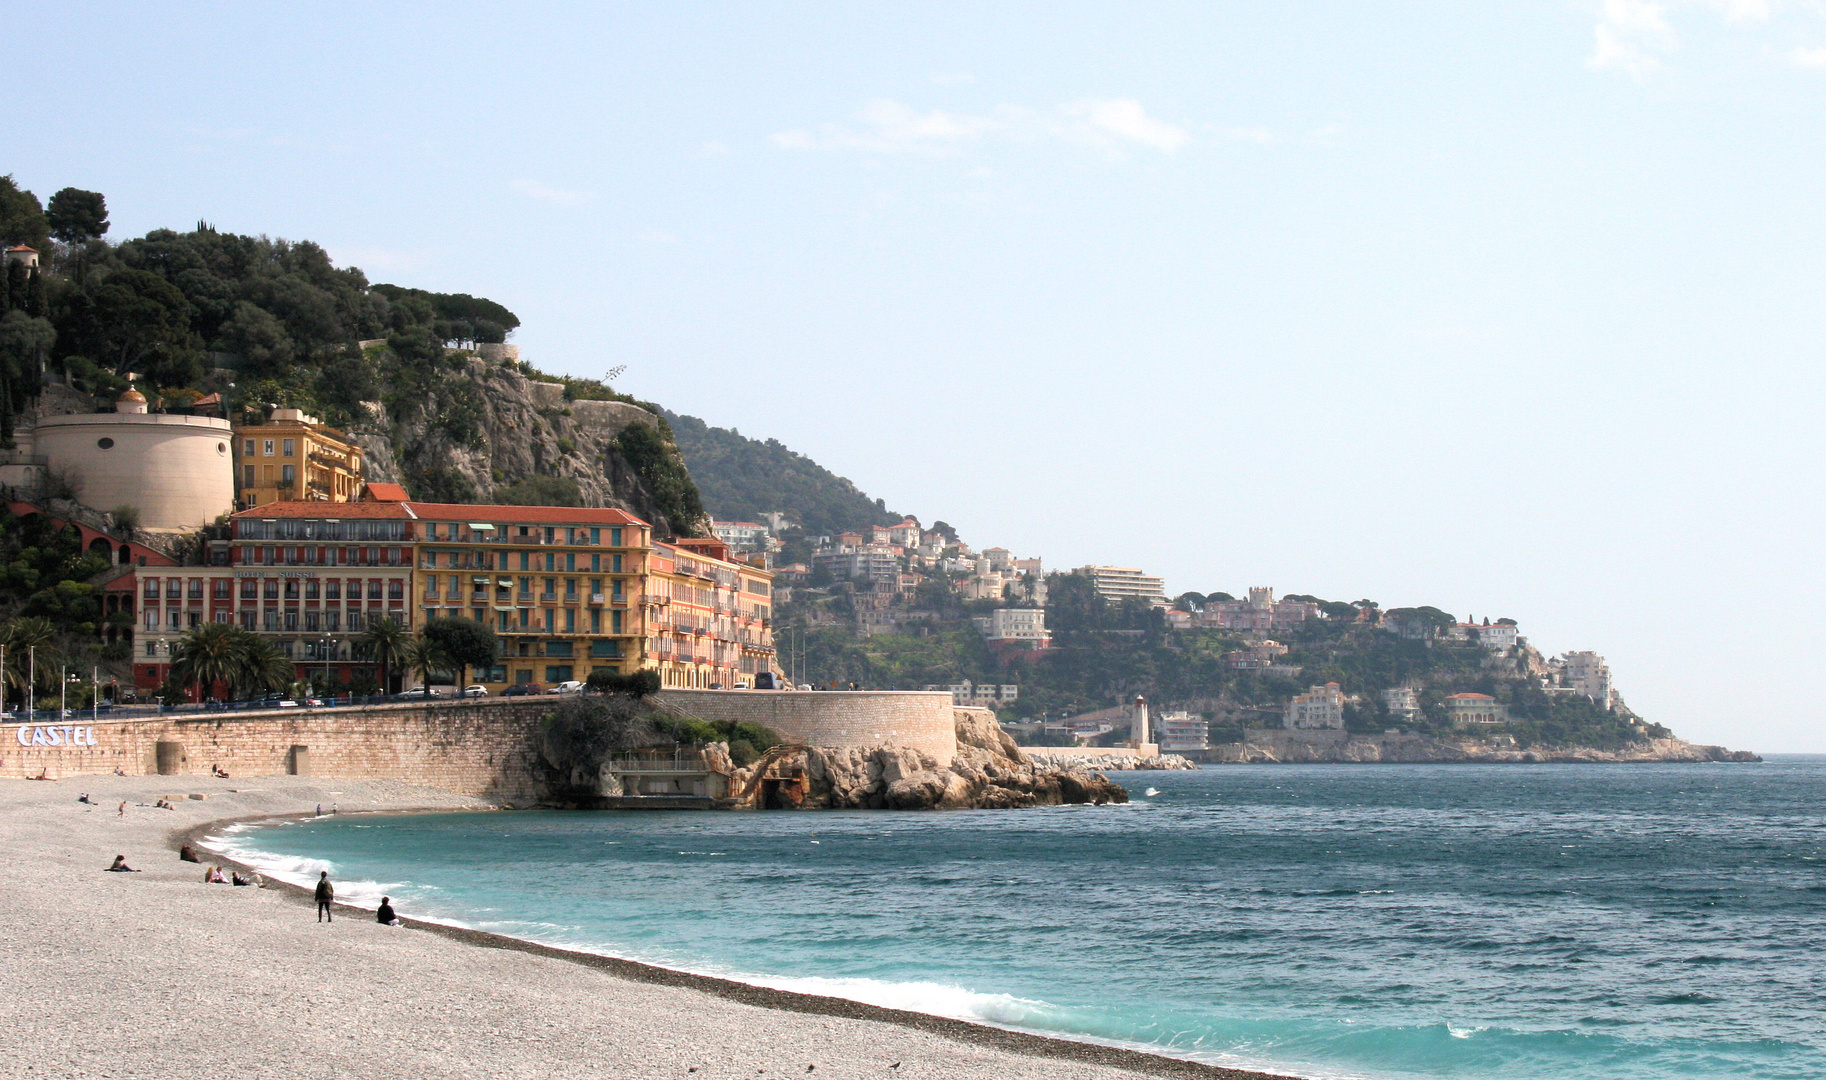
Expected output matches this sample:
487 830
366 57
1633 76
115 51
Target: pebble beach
156 974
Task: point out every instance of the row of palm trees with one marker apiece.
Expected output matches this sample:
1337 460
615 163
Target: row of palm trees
222 659
219 655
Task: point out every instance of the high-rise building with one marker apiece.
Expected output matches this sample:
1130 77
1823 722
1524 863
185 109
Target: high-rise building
1115 583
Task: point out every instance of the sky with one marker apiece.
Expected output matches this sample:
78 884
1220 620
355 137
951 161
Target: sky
1511 308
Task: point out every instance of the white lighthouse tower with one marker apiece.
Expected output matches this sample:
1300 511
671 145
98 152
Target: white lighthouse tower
1139 736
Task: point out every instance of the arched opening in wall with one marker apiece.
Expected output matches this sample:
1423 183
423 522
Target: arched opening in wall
126 554
103 545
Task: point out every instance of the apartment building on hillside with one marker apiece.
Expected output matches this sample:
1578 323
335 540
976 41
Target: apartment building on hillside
1116 583
292 456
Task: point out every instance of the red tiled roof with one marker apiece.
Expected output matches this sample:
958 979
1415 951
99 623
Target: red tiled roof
1469 697
320 509
384 493
524 515
23 247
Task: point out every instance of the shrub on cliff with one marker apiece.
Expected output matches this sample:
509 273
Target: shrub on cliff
639 685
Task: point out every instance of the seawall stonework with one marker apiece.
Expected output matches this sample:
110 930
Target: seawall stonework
481 748
919 719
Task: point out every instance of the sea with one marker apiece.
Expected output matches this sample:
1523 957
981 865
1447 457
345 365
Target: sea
1349 921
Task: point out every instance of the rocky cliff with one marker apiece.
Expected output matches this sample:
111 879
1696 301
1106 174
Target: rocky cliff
1261 746
988 772
489 432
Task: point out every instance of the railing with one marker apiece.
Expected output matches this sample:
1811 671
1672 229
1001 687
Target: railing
678 761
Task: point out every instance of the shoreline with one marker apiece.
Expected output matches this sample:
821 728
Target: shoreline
158 974
1014 1040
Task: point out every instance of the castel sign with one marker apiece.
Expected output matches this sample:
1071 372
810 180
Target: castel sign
36 735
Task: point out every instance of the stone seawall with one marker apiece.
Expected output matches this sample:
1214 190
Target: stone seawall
483 748
917 719
473 748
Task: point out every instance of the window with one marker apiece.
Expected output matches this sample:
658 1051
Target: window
223 616
604 650
288 448
596 564
595 536
551 586
247 473
570 588
247 620
194 619
332 620
311 589
570 620
271 622
152 588
152 619
291 621
288 475
615 567
557 673
356 621
267 446
558 648
291 588
374 588
595 620
614 622
332 589
174 619
152 648
174 588
396 589
220 590
272 588
551 561
570 562
614 537
523 675
312 621
595 586
523 561
196 589
550 615
247 449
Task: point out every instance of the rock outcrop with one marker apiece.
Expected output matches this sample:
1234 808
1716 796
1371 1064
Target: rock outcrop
489 427
988 772
1111 762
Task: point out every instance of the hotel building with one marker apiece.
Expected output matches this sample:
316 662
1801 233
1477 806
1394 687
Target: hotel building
570 591
292 456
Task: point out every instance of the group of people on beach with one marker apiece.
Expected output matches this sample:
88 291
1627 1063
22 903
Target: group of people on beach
326 900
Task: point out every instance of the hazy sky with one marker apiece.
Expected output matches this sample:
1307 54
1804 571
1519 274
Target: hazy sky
1510 308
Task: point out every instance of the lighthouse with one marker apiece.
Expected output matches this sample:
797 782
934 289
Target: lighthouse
1138 724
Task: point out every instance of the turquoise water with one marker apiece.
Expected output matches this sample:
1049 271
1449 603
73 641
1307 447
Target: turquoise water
1333 921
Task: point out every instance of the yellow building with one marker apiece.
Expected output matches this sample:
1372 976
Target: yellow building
293 457
709 619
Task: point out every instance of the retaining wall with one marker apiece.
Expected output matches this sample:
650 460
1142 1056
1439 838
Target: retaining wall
482 748
920 719
475 748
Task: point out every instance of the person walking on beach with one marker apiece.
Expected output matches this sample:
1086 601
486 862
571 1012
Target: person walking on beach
326 893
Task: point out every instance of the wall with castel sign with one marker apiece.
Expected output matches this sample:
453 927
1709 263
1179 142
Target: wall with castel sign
484 748
920 719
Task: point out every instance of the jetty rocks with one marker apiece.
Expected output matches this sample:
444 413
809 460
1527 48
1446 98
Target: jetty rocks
988 772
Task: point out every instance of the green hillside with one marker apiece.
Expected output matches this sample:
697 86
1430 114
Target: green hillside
741 478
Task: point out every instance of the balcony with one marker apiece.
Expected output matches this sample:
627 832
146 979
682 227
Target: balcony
548 598
598 598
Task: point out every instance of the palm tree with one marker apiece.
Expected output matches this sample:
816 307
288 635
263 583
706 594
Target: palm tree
213 653
266 668
388 640
19 636
425 655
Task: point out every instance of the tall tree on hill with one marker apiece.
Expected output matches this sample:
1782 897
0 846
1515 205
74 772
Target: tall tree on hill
131 320
76 216
22 218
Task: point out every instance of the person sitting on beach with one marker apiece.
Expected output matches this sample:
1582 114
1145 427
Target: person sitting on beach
218 770
237 879
214 877
188 854
84 798
120 866
385 914
326 894
118 771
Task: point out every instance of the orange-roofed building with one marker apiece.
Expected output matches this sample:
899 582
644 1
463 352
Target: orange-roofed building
567 590
292 456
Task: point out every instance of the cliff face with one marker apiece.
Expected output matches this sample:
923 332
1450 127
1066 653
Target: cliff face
489 433
1337 747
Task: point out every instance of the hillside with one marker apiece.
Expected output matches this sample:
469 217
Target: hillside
422 379
742 478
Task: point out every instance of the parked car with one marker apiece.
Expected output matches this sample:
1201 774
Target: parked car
475 690
417 693
764 680
524 689
568 686
277 703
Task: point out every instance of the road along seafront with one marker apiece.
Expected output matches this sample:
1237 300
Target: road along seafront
156 973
